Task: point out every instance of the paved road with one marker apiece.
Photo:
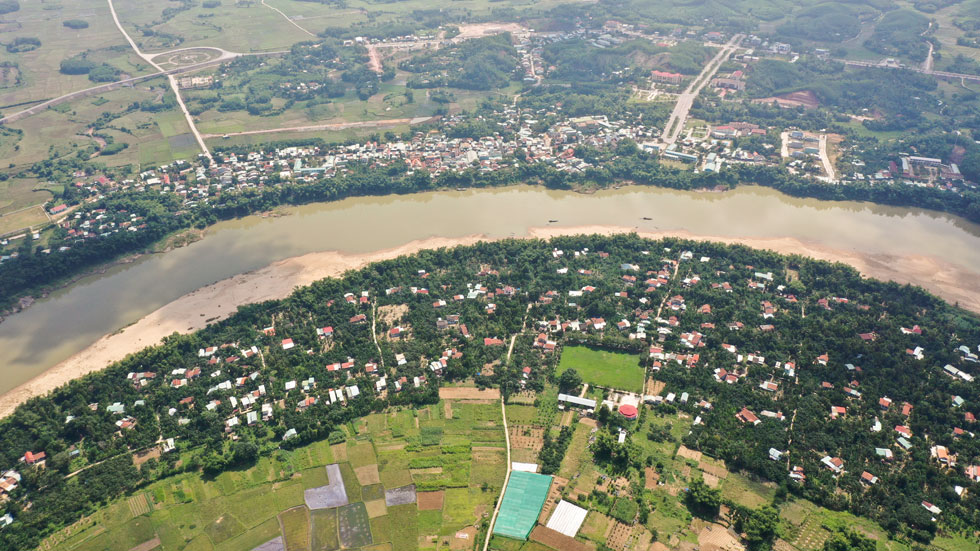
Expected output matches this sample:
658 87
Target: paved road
941 74
170 77
675 124
106 88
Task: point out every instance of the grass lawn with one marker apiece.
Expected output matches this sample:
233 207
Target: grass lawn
603 368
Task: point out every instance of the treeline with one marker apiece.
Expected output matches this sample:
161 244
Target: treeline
528 266
34 270
476 64
904 97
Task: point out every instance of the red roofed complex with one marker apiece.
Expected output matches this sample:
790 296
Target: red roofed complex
669 78
628 411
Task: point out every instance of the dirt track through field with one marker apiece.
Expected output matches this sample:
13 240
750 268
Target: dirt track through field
324 127
468 393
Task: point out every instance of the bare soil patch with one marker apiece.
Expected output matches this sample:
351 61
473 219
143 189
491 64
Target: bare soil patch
468 393
447 409
400 496
431 501
804 98
476 30
688 453
654 387
711 480
463 539
715 537
619 536
715 470
526 437
146 455
376 508
556 540
391 314
368 475
651 478
147 545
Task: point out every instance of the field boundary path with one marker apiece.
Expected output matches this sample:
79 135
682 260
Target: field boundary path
503 411
496 509
110 86
287 18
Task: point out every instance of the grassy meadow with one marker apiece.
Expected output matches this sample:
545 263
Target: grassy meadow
603 368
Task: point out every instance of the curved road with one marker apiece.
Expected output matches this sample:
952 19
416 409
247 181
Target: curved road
173 82
14 117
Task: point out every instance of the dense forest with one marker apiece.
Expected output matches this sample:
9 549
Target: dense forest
442 315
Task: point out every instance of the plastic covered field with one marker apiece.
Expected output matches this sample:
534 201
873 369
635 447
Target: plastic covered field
523 499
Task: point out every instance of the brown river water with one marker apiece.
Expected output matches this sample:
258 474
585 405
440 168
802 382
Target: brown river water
71 319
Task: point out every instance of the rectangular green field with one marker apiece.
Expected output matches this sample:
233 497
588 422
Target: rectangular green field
405 517
603 368
325 530
354 525
296 528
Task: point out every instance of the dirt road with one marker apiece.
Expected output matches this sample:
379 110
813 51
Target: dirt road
330 126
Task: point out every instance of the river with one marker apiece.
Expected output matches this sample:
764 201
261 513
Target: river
71 319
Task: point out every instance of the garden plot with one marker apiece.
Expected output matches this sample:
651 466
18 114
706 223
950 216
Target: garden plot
331 495
325 530
272 545
376 508
431 501
368 475
354 526
400 496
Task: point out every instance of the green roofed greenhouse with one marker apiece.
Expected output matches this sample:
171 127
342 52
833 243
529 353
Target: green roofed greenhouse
523 499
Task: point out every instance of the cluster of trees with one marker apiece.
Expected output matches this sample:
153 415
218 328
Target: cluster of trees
97 72
553 450
477 64
904 97
825 22
899 34
528 266
23 44
626 162
76 24
256 82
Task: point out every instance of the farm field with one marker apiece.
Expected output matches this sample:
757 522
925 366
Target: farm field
245 509
603 368
37 75
252 26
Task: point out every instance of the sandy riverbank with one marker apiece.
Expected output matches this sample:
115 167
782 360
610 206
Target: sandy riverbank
219 300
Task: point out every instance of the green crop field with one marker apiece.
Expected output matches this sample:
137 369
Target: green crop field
242 509
603 368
